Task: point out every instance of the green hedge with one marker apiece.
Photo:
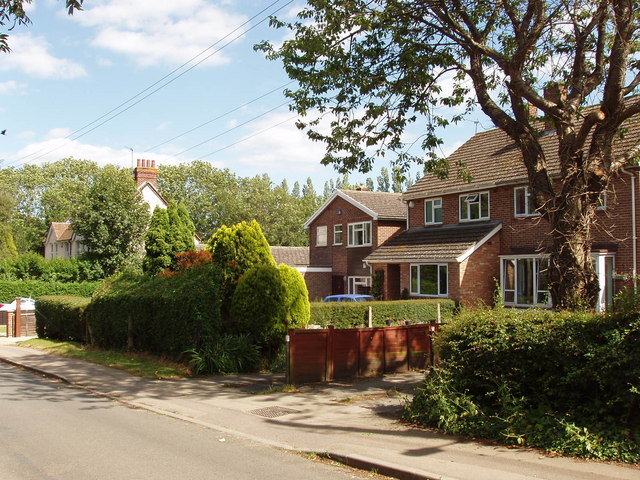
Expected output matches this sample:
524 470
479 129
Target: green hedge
10 289
569 383
162 315
355 314
61 317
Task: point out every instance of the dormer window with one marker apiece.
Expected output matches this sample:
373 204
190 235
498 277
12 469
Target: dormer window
433 211
474 206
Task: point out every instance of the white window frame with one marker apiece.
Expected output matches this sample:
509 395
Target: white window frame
470 200
354 282
602 201
337 229
431 205
605 266
415 289
321 233
357 227
528 206
513 293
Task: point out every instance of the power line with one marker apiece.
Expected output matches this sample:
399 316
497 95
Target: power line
107 118
219 117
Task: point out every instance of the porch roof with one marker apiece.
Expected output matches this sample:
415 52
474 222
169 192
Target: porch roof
439 243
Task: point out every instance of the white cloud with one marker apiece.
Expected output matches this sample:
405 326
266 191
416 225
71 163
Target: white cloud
153 32
12 87
164 126
31 55
56 148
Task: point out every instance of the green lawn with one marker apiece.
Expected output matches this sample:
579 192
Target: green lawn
142 365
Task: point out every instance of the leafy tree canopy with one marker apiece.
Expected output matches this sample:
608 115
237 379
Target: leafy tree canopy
113 221
380 66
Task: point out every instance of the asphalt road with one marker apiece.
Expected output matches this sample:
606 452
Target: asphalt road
49 430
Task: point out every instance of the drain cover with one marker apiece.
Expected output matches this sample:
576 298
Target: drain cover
273 412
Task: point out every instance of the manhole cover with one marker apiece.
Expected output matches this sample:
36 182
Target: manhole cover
273 412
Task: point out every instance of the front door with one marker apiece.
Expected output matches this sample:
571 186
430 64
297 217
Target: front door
337 285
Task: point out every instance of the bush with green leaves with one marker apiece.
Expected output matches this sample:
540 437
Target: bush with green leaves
356 314
31 266
61 317
259 309
37 288
568 383
235 250
162 315
225 355
297 306
170 233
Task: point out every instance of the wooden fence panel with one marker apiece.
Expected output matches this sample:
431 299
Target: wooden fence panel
331 354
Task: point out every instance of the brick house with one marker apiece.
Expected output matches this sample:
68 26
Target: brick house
464 240
343 232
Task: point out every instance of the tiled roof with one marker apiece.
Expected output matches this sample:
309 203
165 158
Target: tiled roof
434 243
292 256
492 159
63 231
387 205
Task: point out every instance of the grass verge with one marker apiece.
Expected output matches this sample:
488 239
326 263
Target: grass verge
142 365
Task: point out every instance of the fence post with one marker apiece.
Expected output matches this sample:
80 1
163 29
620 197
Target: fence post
370 317
439 318
291 347
329 353
18 327
287 368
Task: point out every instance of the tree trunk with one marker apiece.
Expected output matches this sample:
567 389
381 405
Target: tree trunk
572 276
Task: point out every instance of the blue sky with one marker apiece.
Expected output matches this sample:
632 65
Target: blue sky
67 76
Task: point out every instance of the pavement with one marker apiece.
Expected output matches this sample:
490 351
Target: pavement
354 423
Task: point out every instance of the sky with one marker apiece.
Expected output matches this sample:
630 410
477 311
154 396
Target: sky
170 81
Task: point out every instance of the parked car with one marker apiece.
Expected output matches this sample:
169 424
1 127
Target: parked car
349 298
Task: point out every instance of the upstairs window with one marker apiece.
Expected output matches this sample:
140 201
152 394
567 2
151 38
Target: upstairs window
474 206
523 206
359 234
433 211
337 234
321 236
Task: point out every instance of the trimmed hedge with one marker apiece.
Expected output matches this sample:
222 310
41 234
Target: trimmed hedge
161 315
10 289
61 317
355 314
568 383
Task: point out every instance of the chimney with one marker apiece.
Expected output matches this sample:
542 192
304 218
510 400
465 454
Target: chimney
146 171
556 93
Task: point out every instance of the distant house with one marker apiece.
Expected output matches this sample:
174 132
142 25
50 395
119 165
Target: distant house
343 232
62 242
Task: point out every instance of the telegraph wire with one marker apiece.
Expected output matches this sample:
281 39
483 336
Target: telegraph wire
72 136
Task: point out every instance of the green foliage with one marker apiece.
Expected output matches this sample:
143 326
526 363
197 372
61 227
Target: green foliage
296 301
162 315
61 317
235 250
356 314
31 266
113 221
259 308
225 355
567 383
10 289
156 243
377 285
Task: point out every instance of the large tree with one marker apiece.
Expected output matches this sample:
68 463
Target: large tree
378 66
113 222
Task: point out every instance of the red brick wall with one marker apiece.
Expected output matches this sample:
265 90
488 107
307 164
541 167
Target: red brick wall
318 284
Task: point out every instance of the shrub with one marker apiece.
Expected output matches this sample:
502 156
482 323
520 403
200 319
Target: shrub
258 307
162 315
568 383
224 355
298 310
61 317
37 288
355 314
